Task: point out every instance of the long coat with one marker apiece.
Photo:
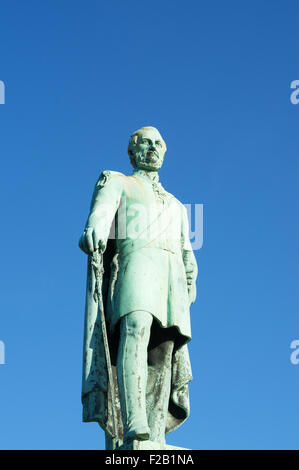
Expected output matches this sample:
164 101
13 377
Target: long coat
144 270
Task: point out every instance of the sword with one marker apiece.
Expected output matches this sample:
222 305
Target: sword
97 263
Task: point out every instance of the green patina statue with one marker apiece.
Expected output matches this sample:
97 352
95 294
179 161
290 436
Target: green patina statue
136 366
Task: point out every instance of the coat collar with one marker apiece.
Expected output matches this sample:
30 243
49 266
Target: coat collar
151 178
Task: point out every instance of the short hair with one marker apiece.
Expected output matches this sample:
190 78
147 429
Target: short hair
133 142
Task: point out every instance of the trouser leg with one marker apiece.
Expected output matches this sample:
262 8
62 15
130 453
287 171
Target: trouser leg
132 373
110 443
158 389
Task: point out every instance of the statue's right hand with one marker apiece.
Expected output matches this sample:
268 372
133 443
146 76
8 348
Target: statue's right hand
90 241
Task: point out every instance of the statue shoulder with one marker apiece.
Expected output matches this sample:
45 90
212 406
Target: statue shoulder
179 204
108 175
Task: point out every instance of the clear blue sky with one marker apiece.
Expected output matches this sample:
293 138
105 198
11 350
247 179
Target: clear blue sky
214 77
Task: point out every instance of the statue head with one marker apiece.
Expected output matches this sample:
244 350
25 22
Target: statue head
146 149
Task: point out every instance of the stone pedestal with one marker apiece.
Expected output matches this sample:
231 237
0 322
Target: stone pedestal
148 445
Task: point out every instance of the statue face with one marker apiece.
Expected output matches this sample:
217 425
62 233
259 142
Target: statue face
149 151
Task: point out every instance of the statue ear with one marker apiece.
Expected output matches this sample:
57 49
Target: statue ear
132 156
131 146
132 160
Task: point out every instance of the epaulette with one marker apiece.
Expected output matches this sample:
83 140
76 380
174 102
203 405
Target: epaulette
105 176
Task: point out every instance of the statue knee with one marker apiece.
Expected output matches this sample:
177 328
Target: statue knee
137 325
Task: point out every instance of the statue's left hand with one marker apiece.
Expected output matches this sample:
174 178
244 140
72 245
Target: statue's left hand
191 284
191 274
192 293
